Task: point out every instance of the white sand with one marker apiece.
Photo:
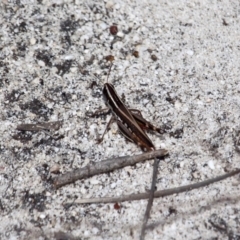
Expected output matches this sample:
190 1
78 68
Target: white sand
194 85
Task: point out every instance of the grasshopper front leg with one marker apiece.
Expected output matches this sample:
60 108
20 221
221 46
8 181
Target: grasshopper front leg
106 129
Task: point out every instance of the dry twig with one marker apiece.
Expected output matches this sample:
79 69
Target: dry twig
105 166
151 197
40 126
157 194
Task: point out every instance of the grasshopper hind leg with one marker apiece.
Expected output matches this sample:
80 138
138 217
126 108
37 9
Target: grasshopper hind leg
143 123
131 136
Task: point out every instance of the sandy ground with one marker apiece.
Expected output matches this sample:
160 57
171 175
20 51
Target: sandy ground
176 61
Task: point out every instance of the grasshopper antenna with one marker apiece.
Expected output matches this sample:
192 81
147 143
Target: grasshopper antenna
109 71
107 74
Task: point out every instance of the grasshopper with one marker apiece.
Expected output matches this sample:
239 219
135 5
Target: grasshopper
130 121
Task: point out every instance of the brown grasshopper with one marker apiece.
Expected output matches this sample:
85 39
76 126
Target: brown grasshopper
130 121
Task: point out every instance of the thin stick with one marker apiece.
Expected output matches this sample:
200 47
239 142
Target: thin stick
151 197
157 194
40 126
104 167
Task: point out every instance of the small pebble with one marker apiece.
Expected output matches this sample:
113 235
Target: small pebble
113 29
55 169
211 164
41 63
32 41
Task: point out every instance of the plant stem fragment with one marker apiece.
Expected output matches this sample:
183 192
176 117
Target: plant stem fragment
104 167
158 194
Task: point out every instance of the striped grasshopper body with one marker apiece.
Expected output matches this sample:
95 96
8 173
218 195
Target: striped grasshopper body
126 122
130 121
